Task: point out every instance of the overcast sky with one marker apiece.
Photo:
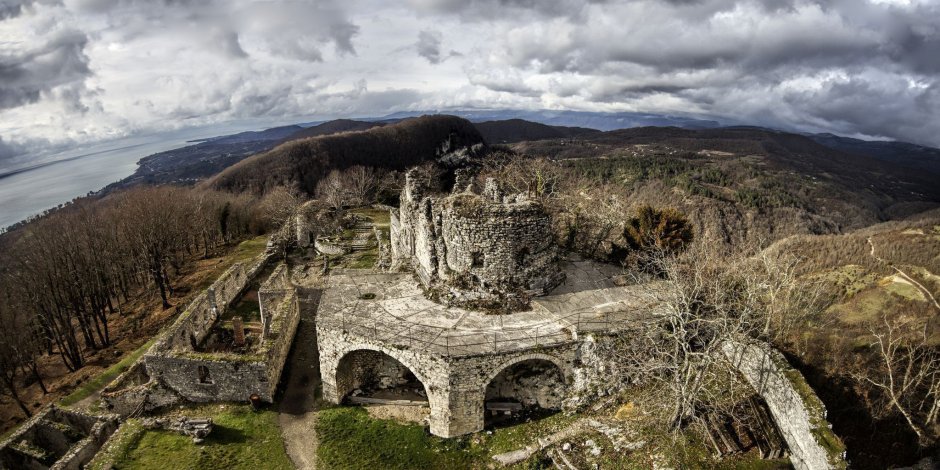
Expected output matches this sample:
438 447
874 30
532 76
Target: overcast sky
81 71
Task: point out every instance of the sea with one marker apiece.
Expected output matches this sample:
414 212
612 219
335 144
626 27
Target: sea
30 191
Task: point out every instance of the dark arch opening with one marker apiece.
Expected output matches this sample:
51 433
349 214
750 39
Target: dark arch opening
375 375
527 390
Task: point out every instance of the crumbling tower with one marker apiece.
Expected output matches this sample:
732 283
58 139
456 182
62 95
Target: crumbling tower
488 250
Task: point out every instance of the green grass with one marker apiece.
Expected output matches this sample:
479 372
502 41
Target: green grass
364 260
349 439
245 251
241 439
103 379
380 217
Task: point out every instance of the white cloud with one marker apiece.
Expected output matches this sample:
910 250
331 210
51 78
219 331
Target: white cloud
79 71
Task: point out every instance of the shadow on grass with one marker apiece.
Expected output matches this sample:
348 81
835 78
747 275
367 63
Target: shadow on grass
527 415
227 435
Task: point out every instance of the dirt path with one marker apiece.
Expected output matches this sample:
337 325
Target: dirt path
924 290
299 405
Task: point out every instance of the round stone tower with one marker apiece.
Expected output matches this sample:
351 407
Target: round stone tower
489 250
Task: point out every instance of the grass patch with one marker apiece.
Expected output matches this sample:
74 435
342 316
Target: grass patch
900 287
241 439
245 251
364 260
515 437
118 446
380 217
350 439
103 379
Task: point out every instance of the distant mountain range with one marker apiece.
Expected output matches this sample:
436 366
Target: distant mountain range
590 120
210 156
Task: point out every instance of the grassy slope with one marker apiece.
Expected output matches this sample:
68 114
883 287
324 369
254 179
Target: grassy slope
241 439
102 380
350 439
864 289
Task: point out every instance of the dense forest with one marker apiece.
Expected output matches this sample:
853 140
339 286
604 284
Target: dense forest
68 275
303 163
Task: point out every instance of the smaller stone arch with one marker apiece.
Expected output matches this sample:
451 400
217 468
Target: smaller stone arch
562 366
526 386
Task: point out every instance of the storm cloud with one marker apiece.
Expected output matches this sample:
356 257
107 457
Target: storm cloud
80 71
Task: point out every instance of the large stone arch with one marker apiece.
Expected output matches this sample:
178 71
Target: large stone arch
333 367
430 371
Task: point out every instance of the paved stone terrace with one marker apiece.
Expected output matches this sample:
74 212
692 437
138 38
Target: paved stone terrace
400 315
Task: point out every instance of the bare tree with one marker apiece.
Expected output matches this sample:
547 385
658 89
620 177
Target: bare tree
907 374
332 190
361 183
708 297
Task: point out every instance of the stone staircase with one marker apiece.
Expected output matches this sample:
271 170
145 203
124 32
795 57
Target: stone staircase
364 239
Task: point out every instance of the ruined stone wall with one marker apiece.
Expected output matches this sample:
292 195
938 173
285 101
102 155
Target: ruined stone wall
498 244
195 322
271 295
232 377
82 452
799 414
226 379
475 247
135 392
205 377
279 336
56 438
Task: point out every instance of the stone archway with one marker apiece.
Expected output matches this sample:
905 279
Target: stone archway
527 386
373 372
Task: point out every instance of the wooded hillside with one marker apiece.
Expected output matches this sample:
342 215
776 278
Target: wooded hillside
305 162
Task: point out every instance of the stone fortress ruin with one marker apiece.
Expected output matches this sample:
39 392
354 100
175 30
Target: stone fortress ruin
479 317
482 315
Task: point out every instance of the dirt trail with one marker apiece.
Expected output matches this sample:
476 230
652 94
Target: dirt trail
299 405
919 286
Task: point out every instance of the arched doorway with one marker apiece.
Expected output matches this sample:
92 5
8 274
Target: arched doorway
524 390
374 375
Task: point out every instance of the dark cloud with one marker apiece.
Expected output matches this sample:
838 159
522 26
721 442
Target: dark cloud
7 151
14 8
847 66
429 46
25 75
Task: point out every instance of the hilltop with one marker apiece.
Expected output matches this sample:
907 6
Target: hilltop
394 147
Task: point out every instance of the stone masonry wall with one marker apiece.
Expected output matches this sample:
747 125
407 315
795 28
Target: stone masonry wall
798 412
272 294
209 377
56 438
225 380
475 247
194 323
456 386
